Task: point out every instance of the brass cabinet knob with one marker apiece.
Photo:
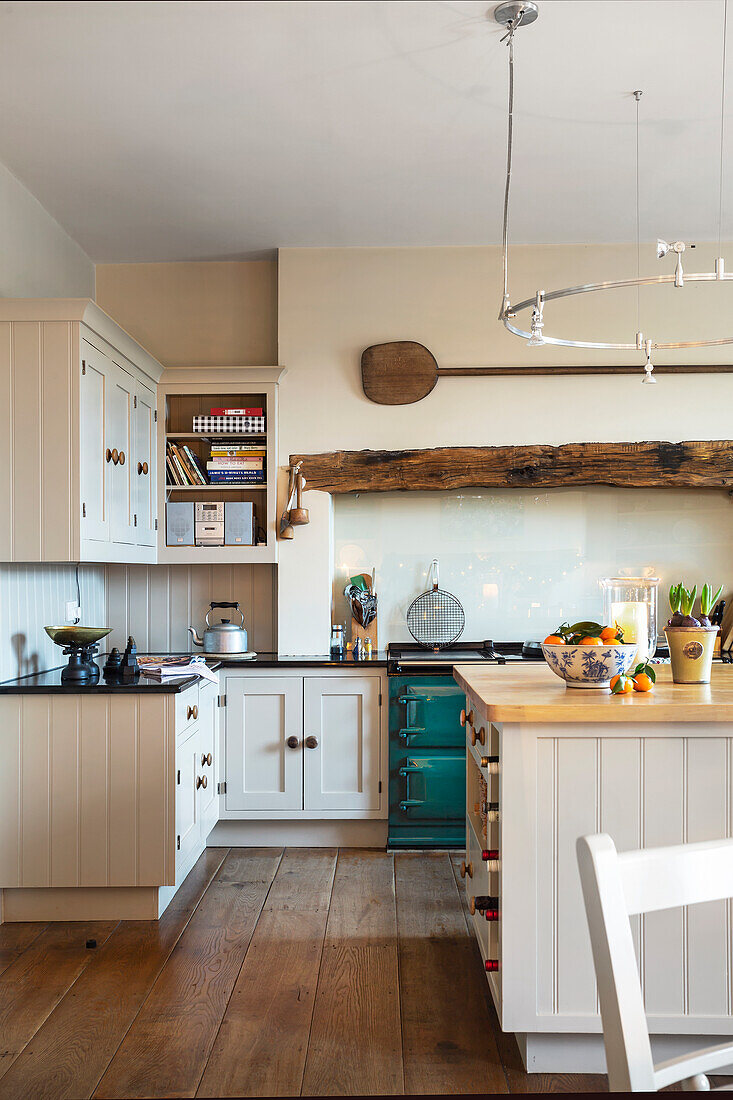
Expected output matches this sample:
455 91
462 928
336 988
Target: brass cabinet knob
466 869
466 717
478 735
311 742
206 758
122 458
142 467
201 781
115 455
195 710
472 906
108 455
292 742
192 712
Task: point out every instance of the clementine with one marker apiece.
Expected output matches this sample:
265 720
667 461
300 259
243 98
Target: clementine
554 639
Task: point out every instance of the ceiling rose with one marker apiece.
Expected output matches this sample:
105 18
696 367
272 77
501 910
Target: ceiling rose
516 14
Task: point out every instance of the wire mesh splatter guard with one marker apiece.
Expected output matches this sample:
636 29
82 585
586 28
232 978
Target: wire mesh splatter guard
436 618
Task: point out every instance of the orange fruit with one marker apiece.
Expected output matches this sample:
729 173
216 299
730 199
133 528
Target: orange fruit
590 641
642 682
554 639
609 634
622 685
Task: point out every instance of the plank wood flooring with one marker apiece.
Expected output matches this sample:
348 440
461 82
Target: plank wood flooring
272 973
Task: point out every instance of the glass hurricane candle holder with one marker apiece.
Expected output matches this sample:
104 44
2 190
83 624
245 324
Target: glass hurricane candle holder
632 603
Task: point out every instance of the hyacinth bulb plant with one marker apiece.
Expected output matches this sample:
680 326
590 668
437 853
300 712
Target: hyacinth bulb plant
690 637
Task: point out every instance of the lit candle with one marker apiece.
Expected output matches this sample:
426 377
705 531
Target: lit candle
633 618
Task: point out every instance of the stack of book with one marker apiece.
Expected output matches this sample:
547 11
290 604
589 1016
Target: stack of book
183 466
234 462
231 420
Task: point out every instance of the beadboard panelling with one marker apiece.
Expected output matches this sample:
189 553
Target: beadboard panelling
90 790
672 790
157 603
34 596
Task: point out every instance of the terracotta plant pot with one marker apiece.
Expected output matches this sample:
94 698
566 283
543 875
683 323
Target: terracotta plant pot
691 652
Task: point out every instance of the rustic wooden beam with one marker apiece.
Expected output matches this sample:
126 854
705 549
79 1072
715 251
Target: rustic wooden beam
701 464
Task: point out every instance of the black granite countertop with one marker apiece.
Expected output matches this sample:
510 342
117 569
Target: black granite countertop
49 683
315 660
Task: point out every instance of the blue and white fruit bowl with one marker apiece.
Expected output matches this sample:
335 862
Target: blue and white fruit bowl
589 666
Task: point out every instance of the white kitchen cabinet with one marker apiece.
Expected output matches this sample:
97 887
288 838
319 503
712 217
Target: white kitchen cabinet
264 731
341 762
103 790
69 487
143 466
303 746
188 825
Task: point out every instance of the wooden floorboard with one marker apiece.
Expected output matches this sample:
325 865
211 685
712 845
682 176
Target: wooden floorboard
310 972
164 1053
14 939
68 1055
355 1044
447 1038
35 982
263 1039
518 1079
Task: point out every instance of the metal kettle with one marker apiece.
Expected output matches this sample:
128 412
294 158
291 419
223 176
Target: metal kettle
222 637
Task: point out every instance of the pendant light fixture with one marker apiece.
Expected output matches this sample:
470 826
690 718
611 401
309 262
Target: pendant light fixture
521 13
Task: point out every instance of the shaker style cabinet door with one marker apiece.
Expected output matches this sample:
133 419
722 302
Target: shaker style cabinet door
341 742
208 747
142 466
93 383
187 803
263 743
120 394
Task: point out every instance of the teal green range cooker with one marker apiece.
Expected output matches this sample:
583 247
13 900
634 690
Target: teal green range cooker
427 744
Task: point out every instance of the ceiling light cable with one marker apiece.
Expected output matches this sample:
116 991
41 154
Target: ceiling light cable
512 14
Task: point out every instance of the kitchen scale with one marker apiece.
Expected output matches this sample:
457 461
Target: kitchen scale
80 644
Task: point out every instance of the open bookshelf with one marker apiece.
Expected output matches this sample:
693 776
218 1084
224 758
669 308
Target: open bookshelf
184 395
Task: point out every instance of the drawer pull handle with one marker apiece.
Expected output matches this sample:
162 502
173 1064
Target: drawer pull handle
311 742
115 455
467 717
292 742
142 467
466 869
108 455
478 735
206 758
192 712
201 781
122 458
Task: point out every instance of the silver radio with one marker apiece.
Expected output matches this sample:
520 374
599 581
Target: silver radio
209 523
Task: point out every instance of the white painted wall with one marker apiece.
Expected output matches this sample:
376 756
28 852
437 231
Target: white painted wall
38 258
335 302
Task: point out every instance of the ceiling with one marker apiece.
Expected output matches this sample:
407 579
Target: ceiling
182 131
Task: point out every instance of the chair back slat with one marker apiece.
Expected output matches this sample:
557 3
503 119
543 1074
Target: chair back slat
625 1033
615 886
686 874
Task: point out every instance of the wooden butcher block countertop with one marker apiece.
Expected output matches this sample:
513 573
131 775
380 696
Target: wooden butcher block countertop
532 693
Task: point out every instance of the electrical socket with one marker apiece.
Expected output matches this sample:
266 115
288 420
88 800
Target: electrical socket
73 611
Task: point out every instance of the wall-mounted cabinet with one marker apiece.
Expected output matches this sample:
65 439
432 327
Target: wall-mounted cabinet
186 453
77 417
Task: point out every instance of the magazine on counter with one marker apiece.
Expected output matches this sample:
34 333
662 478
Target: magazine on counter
169 668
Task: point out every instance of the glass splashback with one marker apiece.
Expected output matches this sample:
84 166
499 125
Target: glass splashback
522 561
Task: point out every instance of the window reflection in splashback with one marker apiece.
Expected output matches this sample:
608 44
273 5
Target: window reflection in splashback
522 561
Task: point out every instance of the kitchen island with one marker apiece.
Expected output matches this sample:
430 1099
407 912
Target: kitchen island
547 764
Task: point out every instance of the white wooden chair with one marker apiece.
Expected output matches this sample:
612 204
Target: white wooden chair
615 886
